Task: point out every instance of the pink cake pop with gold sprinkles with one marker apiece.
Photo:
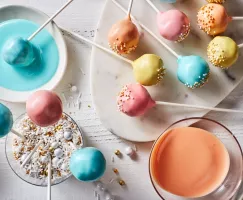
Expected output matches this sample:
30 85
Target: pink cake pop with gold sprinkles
213 19
134 100
44 108
173 25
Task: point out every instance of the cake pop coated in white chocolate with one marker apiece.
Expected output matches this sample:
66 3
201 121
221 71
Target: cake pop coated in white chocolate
19 52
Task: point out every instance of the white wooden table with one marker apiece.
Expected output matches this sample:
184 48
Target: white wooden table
82 16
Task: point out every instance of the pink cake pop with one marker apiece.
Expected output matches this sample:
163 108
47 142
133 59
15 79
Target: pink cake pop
134 100
44 108
173 25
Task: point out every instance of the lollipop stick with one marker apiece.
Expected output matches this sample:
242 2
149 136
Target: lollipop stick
198 107
96 45
147 29
129 8
237 18
153 6
18 134
49 181
240 45
31 154
49 20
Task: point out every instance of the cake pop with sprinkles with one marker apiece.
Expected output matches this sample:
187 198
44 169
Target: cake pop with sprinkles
213 19
134 101
193 71
173 25
124 36
44 108
222 52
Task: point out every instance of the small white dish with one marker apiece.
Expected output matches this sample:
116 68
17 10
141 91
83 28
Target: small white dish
23 12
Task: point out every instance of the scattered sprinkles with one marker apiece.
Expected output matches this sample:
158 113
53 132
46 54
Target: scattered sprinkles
184 33
216 1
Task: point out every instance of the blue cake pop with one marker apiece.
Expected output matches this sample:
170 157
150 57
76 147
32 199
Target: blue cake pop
19 52
193 71
87 164
6 120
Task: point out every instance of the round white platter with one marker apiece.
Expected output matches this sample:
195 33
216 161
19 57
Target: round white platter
28 13
109 74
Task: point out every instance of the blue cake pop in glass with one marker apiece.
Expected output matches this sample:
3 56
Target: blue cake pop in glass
6 120
87 164
168 1
19 52
193 71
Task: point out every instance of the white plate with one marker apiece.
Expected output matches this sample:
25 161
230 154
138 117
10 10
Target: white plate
28 13
110 74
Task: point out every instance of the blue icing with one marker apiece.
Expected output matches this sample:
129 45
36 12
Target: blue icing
87 164
46 54
18 52
168 1
193 71
6 120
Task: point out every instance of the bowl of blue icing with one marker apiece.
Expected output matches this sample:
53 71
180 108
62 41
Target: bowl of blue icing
27 66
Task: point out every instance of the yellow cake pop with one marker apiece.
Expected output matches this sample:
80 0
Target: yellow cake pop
148 69
222 51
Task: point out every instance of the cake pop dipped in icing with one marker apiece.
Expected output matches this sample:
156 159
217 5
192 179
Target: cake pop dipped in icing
213 19
44 108
173 25
148 69
87 164
21 52
123 36
134 100
193 71
6 120
222 52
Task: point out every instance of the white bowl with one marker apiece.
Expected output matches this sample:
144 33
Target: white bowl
23 12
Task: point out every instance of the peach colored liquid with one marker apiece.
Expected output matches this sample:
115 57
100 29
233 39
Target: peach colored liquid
189 162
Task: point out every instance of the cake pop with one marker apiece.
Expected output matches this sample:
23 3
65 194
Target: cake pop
222 51
213 19
20 52
134 100
124 36
44 108
173 25
87 164
6 122
193 71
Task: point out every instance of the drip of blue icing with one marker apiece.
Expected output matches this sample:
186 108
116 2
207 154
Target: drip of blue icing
41 70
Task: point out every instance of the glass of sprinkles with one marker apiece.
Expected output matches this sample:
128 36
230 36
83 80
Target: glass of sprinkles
59 141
